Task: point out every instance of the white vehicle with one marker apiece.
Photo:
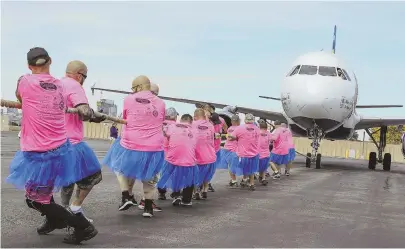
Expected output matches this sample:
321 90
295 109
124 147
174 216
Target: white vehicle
319 99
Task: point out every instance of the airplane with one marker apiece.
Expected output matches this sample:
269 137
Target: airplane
319 99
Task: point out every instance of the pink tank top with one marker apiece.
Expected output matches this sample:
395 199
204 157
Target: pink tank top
75 95
43 107
144 113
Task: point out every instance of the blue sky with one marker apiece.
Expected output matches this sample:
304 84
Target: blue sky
227 52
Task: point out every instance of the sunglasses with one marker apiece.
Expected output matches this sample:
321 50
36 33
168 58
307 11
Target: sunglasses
83 75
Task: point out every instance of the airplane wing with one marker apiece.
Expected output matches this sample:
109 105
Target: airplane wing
368 122
256 112
270 115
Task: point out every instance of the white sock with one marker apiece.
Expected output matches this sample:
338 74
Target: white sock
76 209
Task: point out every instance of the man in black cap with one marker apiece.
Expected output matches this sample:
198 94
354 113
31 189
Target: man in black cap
43 148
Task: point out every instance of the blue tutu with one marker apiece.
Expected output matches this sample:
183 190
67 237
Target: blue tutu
178 177
140 165
221 164
247 166
218 154
291 154
229 160
279 159
42 173
264 164
205 172
86 164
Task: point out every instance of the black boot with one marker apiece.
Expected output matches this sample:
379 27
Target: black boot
148 210
85 232
46 227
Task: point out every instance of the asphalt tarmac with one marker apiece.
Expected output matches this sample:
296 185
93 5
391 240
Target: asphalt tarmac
341 205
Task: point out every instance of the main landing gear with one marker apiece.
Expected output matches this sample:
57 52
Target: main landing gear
316 134
386 160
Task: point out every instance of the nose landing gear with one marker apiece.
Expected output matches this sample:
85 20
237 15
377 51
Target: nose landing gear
316 134
373 159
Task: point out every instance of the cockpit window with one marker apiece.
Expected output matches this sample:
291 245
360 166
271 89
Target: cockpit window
308 70
327 71
294 70
347 75
341 74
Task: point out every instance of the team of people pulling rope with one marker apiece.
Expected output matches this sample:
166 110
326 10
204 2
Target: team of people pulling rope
153 148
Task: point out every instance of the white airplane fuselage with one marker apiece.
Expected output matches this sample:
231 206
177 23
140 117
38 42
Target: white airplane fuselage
316 92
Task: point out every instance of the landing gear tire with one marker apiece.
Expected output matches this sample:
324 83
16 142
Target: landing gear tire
308 160
387 162
318 161
372 161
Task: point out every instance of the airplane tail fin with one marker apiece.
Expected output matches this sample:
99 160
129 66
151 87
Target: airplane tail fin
334 41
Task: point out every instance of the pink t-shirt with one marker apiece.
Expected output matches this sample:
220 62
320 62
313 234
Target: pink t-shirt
248 140
43 108
290 140
182 145
204 132
231 145
218 129
75 95
280 144
264 143
166 124
144 113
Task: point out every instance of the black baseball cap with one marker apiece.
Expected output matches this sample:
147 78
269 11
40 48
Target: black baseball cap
37 56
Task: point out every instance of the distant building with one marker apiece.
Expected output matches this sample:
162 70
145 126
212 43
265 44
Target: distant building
107 106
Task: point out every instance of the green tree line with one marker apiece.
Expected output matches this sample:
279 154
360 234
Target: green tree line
393 134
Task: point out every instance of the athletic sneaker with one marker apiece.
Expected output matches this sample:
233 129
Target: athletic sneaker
210 188
243 183
186 204
252 187
148 208
233 183
267 174
204 195
287 173
176 201
155 208
125 205
133 200
197 196
276 175
162 196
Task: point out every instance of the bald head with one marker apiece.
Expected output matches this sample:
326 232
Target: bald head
76 67
77 70
199 114
154 88
141 83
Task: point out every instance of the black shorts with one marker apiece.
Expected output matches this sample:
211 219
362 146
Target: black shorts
90 181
